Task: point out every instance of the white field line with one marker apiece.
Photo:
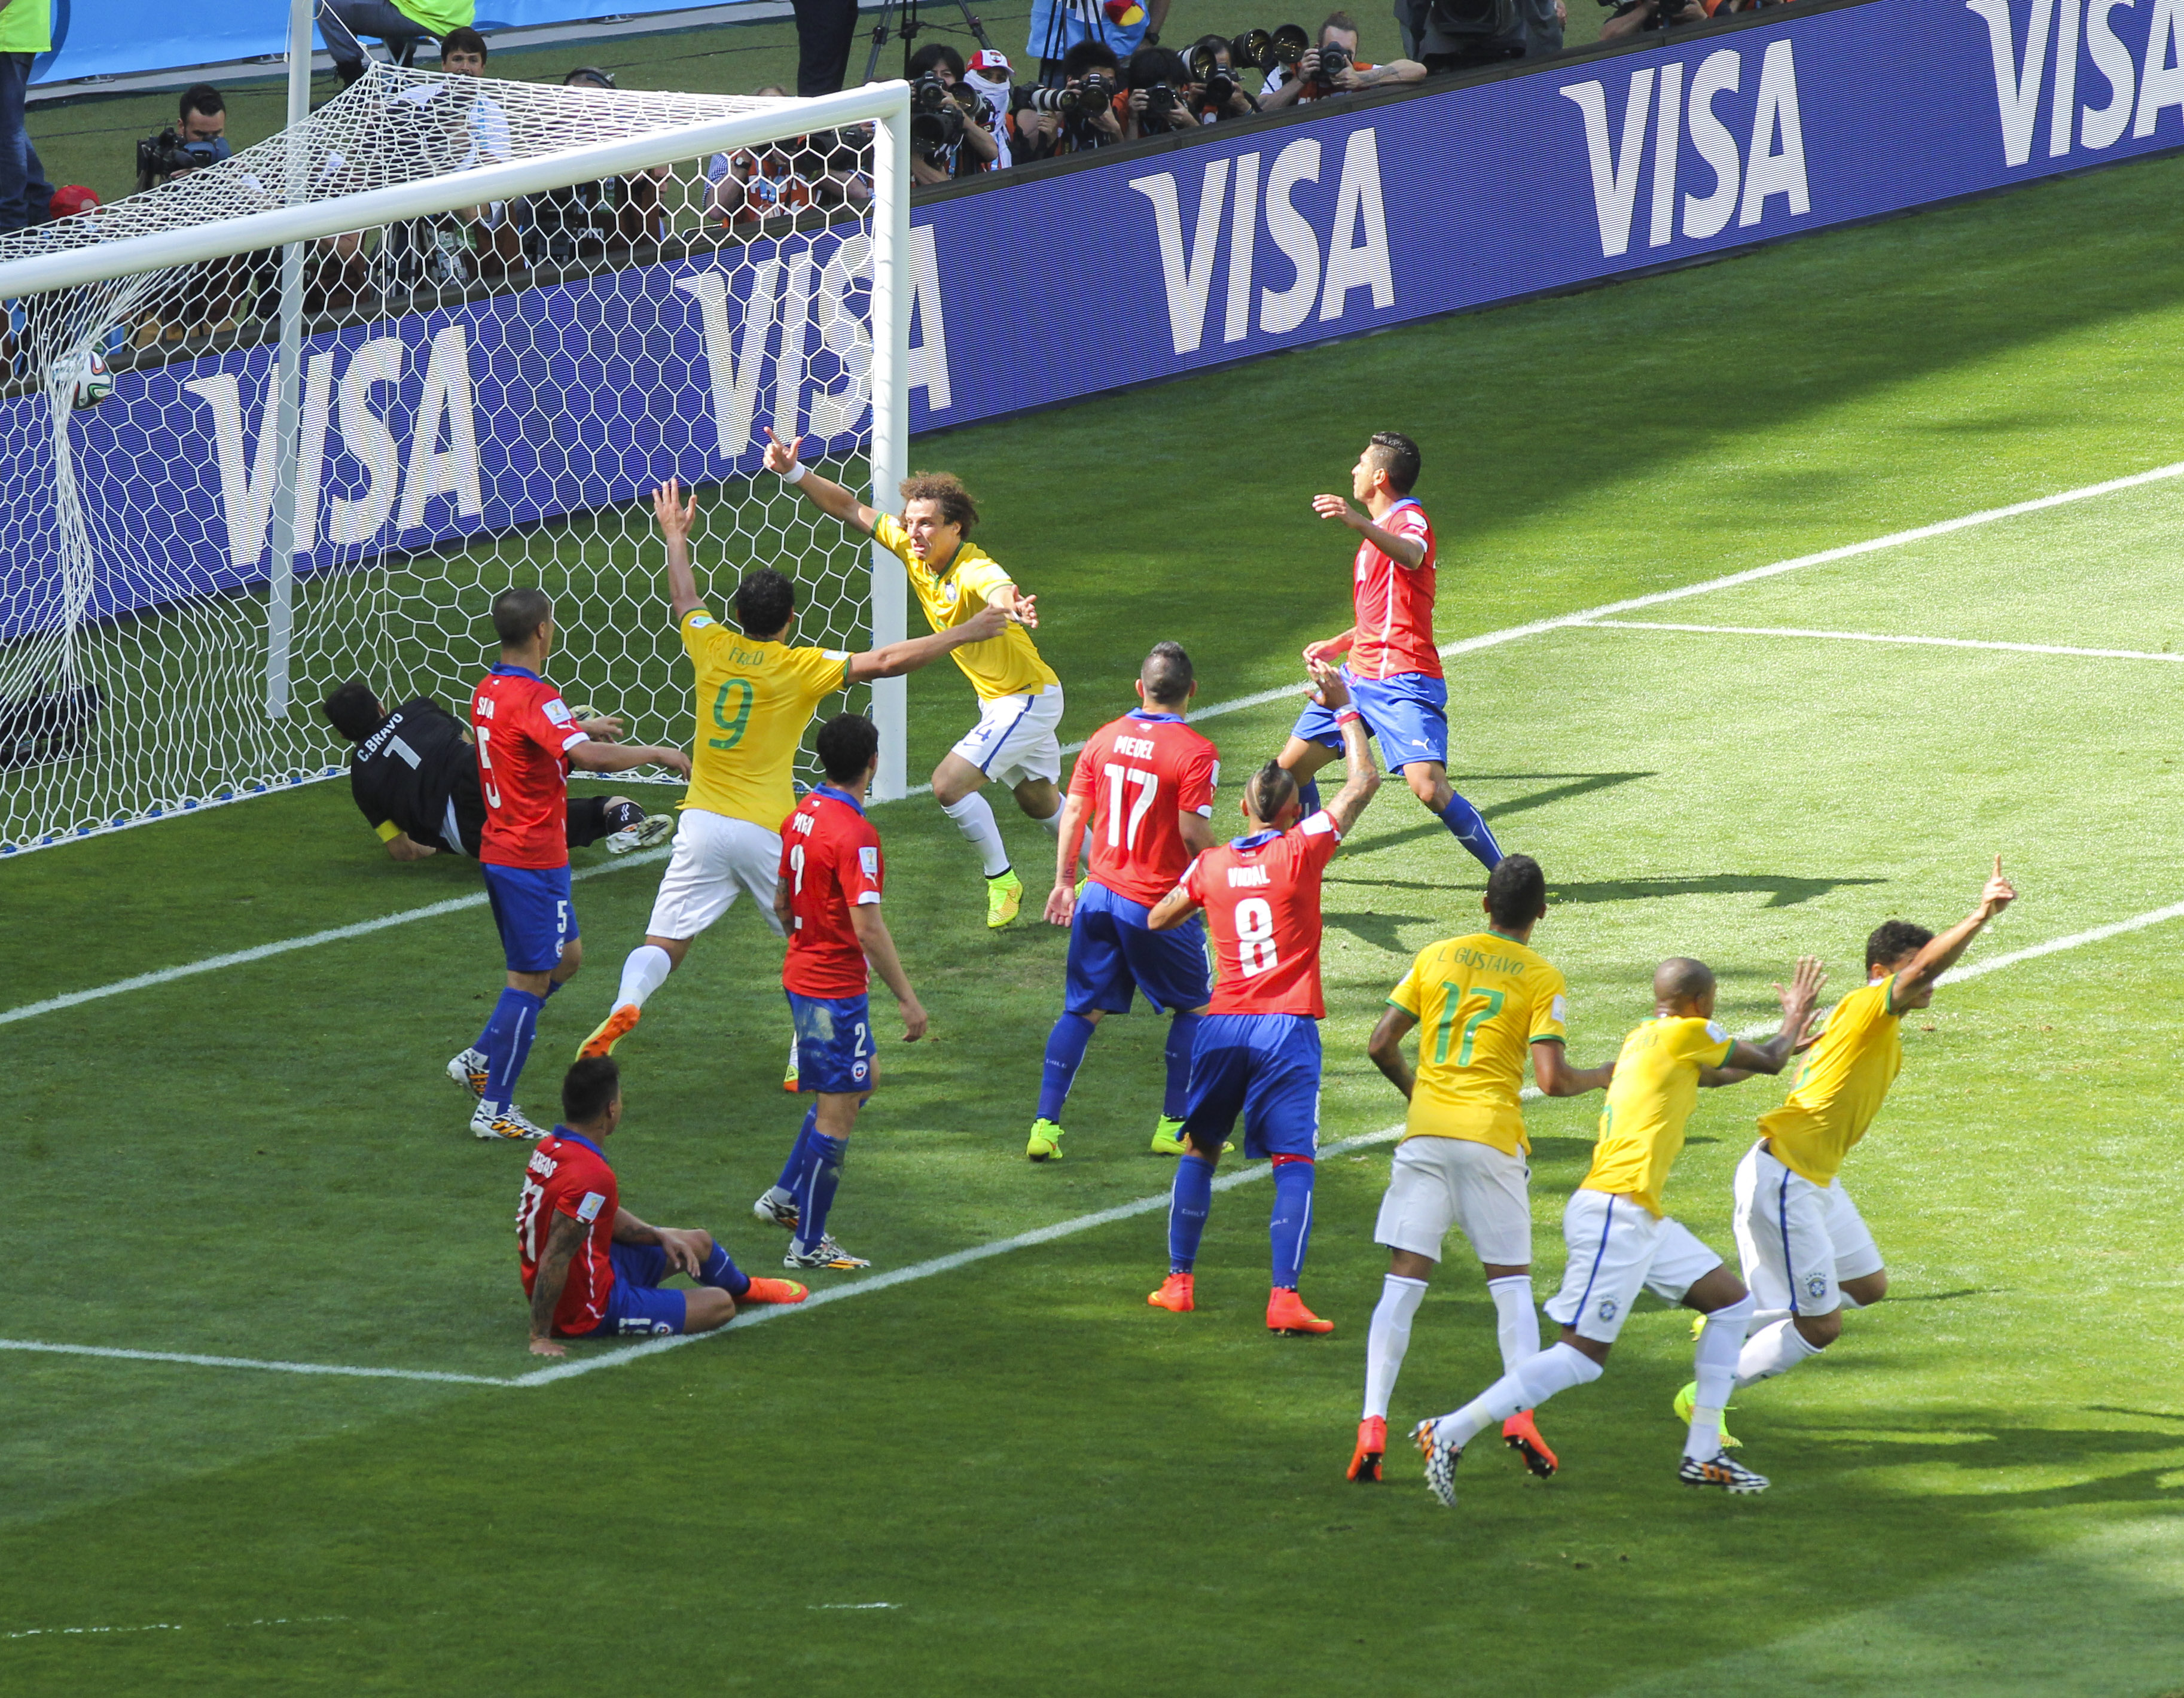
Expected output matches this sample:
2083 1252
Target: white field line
198 1361
1874 637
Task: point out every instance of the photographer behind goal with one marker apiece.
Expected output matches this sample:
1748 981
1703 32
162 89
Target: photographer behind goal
198 138
947 138
1333 68
1081 115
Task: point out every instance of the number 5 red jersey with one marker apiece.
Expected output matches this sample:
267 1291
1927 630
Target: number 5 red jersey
1133 777
1261 894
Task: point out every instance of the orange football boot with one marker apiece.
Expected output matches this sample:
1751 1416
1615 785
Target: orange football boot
1175 1293
1372 1444
1286 1314
774 1291
1520 1435
609 1032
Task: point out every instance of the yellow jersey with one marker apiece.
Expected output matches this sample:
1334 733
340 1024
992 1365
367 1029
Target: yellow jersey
1481 1003
1842 1085
1657 1085
755 699
1004 666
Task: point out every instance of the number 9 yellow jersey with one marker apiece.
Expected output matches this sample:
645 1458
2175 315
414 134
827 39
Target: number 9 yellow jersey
1481 1003
754 699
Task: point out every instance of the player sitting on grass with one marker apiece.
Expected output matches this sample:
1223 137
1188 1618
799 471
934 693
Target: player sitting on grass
1621 1242
591 1269
1806 1251
756 695
1019 697
1483 1000
1394 669
1257 1049
415 777
1144 785
527 740
829 899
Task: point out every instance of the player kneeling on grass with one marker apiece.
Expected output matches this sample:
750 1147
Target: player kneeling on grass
1257 1049
1483 1000
1621 1242
591 1268
828 898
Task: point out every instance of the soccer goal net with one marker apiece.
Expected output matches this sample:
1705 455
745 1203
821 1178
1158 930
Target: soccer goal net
296 418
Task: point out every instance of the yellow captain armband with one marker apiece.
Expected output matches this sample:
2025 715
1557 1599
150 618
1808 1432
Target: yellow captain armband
387 831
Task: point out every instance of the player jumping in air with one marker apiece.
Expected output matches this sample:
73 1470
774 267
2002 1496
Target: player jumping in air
527 740
756 694
1144 786
1019 697
1257 1049
1806 1252
1622 1243
591 1269
1394 669
1483 1001
828 897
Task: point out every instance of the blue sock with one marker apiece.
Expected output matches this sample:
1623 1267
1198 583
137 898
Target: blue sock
792 1170
1187 1209
1471 831
1289 1227
507 1043
1065 1053
1182 1040
1308 793
721 1271
816 1195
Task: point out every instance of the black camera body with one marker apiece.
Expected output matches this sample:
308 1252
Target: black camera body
1162 100
936 117
1335 59
1049 99
161 156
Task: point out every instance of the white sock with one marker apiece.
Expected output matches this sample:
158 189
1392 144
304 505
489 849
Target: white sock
1053 823
975 820
1768 1317
1388 1337
1557 1368
1773 1351
1713 1363
643 973
1516 1322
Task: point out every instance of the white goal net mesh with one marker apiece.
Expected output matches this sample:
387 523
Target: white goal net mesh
485 397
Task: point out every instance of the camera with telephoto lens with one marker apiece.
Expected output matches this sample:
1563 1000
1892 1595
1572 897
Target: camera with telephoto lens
1049 99
1215 80
161 156
936 116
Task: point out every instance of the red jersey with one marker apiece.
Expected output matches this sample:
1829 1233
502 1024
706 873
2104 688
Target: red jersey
1133 776
1261 894
830 860
525 732
1395 626
569 1175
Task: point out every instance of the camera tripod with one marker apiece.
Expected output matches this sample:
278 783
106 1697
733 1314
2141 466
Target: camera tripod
908 32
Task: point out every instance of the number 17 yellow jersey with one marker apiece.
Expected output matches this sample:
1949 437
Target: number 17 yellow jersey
1481 1003
754 699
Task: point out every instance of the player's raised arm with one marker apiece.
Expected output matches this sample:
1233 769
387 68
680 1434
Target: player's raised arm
674 514
1745 1059
1364 776
1943 952
562 1244
828 497
1405 551
895 659
878 945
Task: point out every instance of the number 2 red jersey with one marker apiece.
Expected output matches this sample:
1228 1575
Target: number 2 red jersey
1261 894
1394 624
831 862
525 732
569 1175
1132 778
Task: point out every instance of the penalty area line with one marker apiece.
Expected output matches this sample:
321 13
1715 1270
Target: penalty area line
1875 637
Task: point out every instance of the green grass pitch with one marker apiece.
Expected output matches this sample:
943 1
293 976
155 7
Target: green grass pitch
1053 1488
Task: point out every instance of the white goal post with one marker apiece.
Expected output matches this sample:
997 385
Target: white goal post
561 296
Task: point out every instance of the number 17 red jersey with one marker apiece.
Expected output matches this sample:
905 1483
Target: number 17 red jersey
1261 895
1133 776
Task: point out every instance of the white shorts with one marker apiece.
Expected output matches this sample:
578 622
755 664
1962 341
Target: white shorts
1014 739
1437 1183
1798 1241
1616 1250
715 860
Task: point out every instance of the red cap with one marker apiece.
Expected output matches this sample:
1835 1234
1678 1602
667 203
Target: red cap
988 62
74 198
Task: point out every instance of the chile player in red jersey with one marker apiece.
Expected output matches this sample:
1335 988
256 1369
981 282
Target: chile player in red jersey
1258 1049
1144 785
1393 668
527 740
591 1269
828 898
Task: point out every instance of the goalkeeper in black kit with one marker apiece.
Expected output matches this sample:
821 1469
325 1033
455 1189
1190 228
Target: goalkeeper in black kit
413 774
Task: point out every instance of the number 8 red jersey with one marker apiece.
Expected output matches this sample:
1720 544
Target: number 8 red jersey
1261 894
1133 778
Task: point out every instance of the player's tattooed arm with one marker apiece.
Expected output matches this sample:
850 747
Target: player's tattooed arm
1061 900
675 514
547 1283
895 659
1938 956
828 497
686 1246
1364 776
1170 910
874 938
1797 999
1386 1047
1556 1078
1407 551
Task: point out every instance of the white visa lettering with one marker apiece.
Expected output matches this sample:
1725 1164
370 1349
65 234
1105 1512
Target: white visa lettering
2133 91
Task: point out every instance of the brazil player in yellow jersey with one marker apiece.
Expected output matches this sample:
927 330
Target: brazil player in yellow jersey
1019 697
1622 1242
1480 1004
757 692
1806 1251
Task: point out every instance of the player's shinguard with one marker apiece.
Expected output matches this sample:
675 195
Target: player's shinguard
1620 1241
1144 788
831 877
1480 1004
1258 1050
1019 697
527 739
1394 668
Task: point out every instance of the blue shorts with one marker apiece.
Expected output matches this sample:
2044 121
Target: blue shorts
1264 1066
1113 953
833 1043
1408 713
636 1306
531 906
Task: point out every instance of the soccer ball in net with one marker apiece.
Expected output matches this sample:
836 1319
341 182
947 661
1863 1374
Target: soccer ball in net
89 381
